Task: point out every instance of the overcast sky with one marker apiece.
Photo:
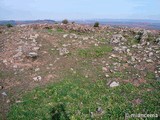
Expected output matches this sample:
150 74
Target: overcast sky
79 9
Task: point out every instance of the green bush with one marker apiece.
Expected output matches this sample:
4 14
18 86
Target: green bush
96 24
9 25
65 21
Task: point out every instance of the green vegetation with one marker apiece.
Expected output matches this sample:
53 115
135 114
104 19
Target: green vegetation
60 30
150 76
6 74
96 24
9 25
65 21
77 98
50 30
95 51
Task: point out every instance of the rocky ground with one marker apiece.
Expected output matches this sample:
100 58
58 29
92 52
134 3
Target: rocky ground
36 55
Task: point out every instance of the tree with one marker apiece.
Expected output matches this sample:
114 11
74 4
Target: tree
65 21
96 24
9 25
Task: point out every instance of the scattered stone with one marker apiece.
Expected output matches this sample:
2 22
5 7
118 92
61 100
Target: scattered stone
149 60
19 101
150 54
65 35
38 78
33 55
35 48
1 87
107 76
19 54
99 110
104 69
114 84
63 51
4 93
117 39
158 41
37 69
8 101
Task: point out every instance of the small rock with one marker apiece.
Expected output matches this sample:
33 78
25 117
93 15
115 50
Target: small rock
33 55
99 110
117 39
114 84
133 59
63 51
158 41
38 78
150 54
65 35
35 48
104 69
15 66
4 93
1 87
149 60
37 69
18 54
107 75
8 101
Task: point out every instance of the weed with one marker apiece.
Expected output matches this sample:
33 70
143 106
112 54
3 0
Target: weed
60 30
95 51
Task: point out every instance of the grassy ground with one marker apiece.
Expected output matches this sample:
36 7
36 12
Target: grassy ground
78 98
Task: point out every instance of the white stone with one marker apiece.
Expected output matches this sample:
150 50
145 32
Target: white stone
114 84
38 78
32 54
4 93
65 35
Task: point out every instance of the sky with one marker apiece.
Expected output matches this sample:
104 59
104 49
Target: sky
79 9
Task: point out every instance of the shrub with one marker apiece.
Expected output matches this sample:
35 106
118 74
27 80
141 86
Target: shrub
9 25
65 21
73 22
96 24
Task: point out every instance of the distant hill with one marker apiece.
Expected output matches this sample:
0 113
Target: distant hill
148 24
14 22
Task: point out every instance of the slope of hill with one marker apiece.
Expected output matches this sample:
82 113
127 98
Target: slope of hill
82 72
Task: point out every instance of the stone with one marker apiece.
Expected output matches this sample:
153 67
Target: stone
37 69
35 48
133 59
4 93
99 110
144 37
19 54
33 55
150 54
117 39
107 76
149 60
114 84
104 69
1 87
63 51
65 35
38 78
158 41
